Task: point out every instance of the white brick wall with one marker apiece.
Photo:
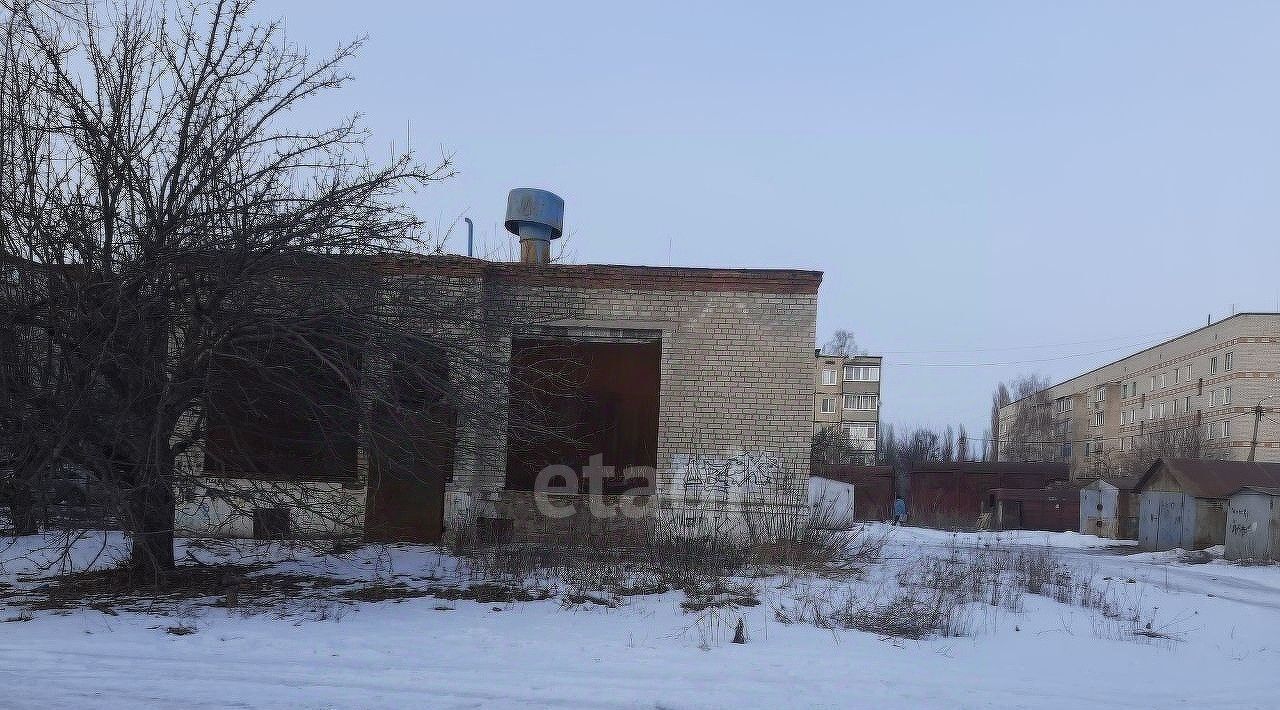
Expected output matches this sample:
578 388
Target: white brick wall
1254 340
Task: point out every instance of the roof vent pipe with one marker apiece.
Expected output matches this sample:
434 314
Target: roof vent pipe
537 217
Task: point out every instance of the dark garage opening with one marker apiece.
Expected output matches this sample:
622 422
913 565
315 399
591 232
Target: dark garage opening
412 452
572 400
278 414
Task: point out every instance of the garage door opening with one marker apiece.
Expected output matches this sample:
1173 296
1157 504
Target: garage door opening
411 452
571 400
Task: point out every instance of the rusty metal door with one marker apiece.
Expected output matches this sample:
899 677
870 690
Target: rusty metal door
407 477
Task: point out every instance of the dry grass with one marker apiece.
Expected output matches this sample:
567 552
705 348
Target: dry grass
712 566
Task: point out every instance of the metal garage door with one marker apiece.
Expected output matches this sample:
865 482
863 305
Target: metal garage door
1160 526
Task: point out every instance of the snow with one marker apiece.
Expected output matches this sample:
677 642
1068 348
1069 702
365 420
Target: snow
648 653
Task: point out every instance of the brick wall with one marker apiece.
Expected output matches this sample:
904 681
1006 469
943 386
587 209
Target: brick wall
736 367
1254 341
736 375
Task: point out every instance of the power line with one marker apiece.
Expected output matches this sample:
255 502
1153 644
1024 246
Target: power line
1136 336
1024 362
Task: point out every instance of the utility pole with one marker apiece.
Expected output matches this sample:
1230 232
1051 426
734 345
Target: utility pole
1257 420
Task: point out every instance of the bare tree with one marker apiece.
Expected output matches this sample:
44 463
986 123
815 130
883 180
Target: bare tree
905 452
1183 437
1028 435
165 230
962 445
832 446
842 343
999 398
947 444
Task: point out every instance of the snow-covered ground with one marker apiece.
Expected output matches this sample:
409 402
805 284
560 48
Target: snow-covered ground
649 653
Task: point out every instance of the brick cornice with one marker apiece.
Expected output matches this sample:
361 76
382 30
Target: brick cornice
608 276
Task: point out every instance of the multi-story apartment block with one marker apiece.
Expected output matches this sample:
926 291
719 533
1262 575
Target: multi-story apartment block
1211 393
847 399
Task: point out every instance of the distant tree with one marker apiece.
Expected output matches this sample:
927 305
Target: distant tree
906 452
1029 435
832 447
843 343
947 445
1182 438
999 398
962 445
885 450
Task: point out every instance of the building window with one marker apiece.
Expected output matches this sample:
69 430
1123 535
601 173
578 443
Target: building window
858 373
828 376
1097 419
1213 366
1151 412
1186 404
1220 396
861 433
1065 404
1100 395
1162 410
1164 382
861 401
1066 451
1229 362
828 405
1124 390
1188 373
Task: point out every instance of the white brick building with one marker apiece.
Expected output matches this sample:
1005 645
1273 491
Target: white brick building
1210 382
696 370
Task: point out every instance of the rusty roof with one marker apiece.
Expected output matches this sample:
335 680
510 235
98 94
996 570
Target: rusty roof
852 473
1260 489
1214 479
1038 468
1123 483
1053 492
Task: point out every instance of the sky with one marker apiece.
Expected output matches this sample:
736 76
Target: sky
989 188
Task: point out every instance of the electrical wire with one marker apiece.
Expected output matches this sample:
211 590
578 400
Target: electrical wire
1008 363
1138 336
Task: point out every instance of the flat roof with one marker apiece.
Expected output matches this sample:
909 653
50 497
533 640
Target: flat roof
608 276
1146 349
819 356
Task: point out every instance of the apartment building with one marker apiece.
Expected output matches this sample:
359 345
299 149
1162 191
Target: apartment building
1197 395
847 399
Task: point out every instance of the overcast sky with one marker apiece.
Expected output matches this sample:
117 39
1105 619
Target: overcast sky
1043 186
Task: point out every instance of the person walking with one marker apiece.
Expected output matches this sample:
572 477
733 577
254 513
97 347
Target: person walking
899 511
